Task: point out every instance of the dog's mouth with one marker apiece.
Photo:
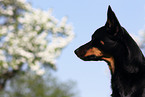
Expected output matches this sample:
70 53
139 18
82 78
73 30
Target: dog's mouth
91 58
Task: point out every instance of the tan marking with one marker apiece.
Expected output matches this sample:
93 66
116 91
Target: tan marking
111 61
102 42
94 51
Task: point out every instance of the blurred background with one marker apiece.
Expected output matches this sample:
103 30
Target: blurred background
38 39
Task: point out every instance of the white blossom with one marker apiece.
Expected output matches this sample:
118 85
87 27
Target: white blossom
141 38
37 40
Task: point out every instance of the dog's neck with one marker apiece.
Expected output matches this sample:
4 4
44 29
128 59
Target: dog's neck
125 76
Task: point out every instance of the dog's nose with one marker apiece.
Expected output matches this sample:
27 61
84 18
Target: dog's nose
76 51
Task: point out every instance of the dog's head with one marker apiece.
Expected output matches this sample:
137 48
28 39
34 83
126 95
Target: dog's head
106 42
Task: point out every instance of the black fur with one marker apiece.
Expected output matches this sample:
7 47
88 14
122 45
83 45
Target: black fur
128 77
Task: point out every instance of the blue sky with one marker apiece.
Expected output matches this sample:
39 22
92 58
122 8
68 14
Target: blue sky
93 78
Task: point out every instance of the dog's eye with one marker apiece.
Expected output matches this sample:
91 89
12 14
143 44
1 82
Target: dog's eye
98 43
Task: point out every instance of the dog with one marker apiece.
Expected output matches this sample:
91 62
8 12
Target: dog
113 44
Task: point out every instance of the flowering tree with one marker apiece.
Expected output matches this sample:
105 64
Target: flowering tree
29 37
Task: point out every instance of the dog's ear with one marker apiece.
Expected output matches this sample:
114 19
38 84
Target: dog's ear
112 23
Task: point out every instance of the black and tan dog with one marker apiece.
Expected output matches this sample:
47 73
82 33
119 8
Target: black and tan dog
113 44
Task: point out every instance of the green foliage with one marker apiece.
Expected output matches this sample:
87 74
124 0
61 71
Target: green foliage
32 85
